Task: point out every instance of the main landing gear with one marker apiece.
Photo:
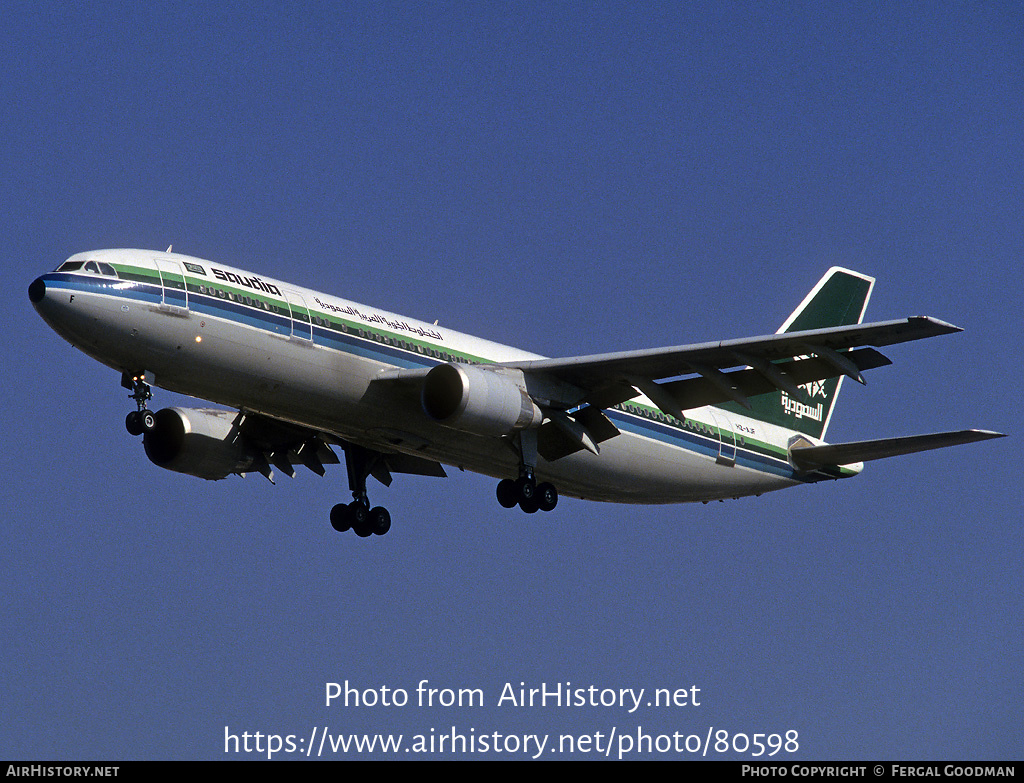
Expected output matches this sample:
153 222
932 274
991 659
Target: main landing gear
524 491
143 420
357 515
360 518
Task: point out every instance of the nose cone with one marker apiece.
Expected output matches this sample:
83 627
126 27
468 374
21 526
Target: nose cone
37 290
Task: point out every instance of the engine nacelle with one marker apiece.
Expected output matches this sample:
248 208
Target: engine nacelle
472 399
201 442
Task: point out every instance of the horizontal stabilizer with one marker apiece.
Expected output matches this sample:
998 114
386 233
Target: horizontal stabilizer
809 457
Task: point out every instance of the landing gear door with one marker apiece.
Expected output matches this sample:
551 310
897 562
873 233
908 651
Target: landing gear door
302 327
173 286
726 439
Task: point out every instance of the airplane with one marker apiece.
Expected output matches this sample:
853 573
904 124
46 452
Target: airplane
303 372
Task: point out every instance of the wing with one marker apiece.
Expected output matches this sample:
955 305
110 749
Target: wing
574 391
831 347
682 378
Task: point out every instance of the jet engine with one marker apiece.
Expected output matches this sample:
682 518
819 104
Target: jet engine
476 400
201 442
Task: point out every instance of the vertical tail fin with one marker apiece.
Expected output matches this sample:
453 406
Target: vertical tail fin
839 299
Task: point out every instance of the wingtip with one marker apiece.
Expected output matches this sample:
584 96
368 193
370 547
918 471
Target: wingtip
938 323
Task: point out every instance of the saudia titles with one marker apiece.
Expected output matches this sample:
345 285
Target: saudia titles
799 409
248 282
802 410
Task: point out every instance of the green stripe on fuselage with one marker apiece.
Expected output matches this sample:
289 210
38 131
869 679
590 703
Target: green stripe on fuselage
208 287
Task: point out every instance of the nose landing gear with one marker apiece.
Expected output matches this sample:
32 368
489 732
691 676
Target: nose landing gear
143 420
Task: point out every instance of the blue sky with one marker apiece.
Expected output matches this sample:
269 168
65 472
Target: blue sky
568 178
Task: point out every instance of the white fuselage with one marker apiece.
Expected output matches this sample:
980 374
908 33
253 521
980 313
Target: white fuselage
297 355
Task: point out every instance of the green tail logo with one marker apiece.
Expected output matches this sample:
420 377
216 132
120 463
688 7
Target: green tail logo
839 299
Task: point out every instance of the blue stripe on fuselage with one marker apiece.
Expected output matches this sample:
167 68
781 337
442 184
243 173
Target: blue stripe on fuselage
706 445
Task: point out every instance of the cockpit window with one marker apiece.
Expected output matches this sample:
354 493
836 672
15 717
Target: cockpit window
96 267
